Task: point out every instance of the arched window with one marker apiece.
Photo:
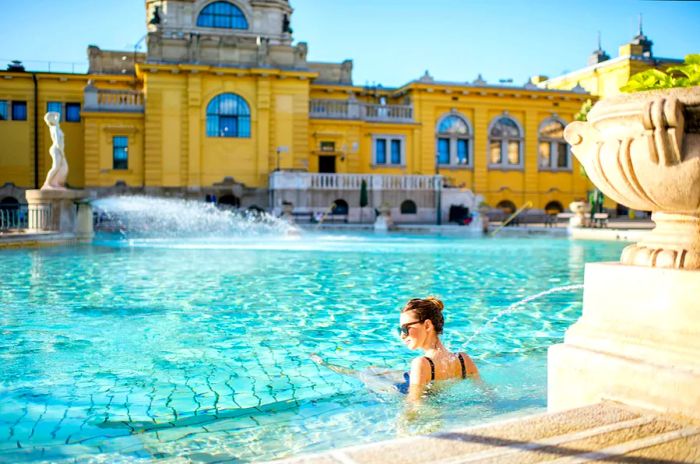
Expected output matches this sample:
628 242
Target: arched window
231 201
453 140
506 206
409 207
554 151
505 143
228 115
553 207
9 203
223 15
340 206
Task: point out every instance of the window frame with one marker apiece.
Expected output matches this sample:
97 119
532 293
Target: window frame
453 143
553 144
504 141
116 147
233 16
388 141
18 103
72 104
237 118
326 146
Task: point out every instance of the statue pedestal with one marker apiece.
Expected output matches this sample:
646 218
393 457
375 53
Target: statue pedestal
63 211
637 342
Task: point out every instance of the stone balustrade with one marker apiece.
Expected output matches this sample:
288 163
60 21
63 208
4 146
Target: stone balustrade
41 217
122 101
282 180
353 109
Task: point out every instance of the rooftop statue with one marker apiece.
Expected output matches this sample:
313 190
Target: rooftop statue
56 178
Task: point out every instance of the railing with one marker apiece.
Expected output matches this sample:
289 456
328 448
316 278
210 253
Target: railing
311 181
387 112
40 217
12 219
126 101
353 109
48 66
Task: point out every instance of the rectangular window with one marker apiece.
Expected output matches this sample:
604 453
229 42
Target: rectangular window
545 154
495 151
3 110
328 146
396 151
443 151
19 110
243 126
228 126
388 150
380 150
513 152
72 112
120 152
462 151
562 156
212 126
55 107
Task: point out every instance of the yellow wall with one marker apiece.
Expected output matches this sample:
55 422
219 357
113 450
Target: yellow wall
606 78
480 107
178 151
17 137
100 128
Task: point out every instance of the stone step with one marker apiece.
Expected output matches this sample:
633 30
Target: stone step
604 432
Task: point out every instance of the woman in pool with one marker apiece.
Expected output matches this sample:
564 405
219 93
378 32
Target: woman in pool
421 324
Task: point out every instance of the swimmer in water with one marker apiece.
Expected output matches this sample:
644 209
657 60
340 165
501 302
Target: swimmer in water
421 323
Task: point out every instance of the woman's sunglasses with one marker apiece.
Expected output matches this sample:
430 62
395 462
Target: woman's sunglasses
403 329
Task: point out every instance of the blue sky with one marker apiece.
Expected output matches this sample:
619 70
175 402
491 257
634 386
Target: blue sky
390 41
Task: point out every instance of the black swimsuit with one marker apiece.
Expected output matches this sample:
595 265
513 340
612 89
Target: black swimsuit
432 367
403 387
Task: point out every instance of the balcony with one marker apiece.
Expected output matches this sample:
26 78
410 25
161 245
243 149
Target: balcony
119 101
282 180
353 109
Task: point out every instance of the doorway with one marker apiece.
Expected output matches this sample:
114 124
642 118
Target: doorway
326 164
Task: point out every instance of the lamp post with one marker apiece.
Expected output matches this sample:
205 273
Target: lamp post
281 149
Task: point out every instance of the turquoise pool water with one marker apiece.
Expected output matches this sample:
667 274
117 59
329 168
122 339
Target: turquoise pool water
129 350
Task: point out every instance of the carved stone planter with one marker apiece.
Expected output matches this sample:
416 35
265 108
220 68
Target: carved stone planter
580 209
643 150
638 338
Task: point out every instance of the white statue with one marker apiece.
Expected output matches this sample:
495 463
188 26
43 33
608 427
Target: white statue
56 178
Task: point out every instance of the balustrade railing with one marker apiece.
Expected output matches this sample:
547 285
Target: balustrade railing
282 180
13 219
40 217
113 100
353 109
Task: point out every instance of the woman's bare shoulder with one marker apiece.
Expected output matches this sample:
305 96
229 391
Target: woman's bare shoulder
469 364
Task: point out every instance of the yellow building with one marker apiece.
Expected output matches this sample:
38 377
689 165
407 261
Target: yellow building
604 76
224 107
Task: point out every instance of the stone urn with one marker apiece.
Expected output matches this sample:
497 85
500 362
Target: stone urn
384 222
643 150
580 210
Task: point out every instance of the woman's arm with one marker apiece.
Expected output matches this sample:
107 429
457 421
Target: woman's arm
418 378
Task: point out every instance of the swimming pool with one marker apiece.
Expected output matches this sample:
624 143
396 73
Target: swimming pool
126 350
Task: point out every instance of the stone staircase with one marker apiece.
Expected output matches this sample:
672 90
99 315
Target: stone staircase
604 432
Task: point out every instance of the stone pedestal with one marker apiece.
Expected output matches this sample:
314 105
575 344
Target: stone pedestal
581 209
384 223
61 211
637 342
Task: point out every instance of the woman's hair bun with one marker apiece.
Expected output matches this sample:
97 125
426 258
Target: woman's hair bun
438 304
